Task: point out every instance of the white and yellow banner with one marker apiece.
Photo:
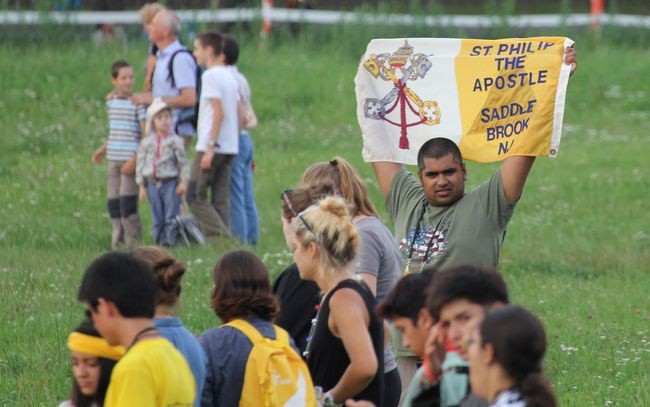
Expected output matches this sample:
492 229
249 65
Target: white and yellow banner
494 98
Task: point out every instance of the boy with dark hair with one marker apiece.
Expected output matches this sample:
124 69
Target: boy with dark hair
458 300
405 308
125 128
480 286
218 138
120 292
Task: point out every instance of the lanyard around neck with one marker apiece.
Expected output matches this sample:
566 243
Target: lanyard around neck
416 233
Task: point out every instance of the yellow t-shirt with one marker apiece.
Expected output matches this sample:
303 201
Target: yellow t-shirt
151 373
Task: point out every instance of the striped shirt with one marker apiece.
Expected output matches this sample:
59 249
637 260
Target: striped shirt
124 128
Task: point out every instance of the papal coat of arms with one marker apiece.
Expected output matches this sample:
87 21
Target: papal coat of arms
410 67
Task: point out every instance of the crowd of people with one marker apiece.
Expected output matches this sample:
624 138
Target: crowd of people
363 317
186 95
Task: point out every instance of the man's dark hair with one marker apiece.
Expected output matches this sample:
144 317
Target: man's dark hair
123 280
117 65
478 285
230 49
408 296
437 148
213 40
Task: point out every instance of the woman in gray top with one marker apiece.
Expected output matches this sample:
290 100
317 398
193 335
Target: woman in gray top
378 261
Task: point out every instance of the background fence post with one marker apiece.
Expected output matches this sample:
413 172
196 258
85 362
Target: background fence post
597 9
267 8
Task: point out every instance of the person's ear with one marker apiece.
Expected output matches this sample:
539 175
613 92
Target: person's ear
106 307
488 354
313 250
424 319
464 169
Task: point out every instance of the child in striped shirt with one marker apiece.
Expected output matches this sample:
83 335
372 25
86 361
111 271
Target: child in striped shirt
126 125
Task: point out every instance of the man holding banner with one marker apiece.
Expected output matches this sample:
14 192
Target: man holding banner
449 100
501 110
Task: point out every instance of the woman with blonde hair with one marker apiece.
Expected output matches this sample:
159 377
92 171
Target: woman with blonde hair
168 273
345 348
378 261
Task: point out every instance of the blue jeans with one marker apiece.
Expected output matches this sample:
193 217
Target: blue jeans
244 223
165 206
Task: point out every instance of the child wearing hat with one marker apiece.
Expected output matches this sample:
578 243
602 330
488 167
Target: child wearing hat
162 171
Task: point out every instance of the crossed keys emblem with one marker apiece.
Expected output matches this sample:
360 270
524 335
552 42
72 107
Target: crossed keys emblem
412 66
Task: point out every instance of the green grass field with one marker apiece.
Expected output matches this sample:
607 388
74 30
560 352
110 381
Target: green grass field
577 250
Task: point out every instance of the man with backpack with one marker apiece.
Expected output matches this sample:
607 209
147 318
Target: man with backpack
175 74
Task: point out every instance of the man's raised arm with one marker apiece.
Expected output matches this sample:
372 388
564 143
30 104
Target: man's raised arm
385 172
515 169
514 172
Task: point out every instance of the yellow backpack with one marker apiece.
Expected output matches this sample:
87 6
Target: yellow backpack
275 376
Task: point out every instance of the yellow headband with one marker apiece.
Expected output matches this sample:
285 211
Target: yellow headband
93 345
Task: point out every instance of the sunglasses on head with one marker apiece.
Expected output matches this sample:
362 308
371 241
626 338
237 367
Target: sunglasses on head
285 198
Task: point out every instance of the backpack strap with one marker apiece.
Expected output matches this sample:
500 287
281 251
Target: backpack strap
170 67
282 336
247 329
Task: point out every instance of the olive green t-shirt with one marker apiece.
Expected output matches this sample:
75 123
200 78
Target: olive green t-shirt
469 231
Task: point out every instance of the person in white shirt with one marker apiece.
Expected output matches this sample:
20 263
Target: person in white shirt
218 138
244 221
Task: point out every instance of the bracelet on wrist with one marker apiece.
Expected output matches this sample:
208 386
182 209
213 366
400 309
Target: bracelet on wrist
328 400
426 371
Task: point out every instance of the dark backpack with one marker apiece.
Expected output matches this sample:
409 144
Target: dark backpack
187 230
189 114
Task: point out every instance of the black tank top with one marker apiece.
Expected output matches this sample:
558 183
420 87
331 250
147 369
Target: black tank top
328 359
299 301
